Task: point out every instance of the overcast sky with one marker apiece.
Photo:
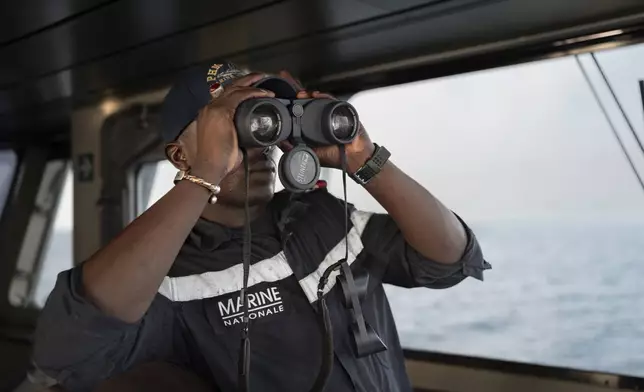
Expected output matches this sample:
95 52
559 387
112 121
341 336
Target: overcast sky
523 142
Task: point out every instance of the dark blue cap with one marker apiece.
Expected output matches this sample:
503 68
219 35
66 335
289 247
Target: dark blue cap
190 93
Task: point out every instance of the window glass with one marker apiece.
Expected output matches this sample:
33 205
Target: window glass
58 251
525 157
8 162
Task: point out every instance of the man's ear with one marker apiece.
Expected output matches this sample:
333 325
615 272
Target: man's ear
175 153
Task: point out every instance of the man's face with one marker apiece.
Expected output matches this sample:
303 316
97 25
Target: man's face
262 169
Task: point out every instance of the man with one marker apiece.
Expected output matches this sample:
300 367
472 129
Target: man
168 287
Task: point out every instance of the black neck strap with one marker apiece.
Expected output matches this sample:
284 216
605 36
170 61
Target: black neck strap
367 342
244 351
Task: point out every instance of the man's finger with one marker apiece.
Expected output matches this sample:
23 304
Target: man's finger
317 94
285 146
234 95
242 94
227 91
240 160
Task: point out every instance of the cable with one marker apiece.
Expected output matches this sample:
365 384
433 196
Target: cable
610 123
325 320
343 162
619 105
324 317
244 354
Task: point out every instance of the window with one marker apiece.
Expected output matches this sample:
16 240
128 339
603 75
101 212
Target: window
8 162
58 252
525 156
47 244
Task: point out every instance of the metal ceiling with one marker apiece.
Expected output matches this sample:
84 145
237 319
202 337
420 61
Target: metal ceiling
57 54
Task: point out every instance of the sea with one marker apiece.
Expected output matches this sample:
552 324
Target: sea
561 294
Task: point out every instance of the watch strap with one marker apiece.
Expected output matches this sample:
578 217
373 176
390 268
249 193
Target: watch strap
372 166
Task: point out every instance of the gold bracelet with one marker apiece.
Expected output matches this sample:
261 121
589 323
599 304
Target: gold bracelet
213 189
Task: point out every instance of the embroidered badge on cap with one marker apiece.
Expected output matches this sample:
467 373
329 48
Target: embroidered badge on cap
221 74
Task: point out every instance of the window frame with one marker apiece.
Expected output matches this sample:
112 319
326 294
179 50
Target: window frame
20 205
67 172
37 235
13 178
138 124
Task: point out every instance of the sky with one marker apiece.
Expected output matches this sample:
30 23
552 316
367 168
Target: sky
524 142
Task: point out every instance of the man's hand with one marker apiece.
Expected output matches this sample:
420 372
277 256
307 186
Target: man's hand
358 151
217 147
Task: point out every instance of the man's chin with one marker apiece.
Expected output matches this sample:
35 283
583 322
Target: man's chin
259 195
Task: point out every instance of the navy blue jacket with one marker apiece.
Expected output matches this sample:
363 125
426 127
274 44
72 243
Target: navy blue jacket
195 318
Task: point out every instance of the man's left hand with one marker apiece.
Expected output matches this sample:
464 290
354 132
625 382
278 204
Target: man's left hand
358 151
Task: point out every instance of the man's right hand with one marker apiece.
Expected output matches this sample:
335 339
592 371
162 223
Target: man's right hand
217 148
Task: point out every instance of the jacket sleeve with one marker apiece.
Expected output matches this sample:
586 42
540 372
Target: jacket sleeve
79 346
405 267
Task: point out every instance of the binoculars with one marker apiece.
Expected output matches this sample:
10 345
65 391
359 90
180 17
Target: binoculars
305 123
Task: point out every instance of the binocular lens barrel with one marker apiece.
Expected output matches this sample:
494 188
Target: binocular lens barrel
343 123
265 124
262 122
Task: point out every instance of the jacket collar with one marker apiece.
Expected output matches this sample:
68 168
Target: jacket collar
282 211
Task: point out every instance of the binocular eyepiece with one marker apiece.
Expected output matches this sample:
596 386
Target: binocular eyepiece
305 123
265 122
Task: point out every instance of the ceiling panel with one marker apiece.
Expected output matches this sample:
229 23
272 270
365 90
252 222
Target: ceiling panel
441 29
121 25
400 4
259 28
125 46
20 18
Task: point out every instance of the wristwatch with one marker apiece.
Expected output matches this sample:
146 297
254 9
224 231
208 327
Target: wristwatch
372 167
213 189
